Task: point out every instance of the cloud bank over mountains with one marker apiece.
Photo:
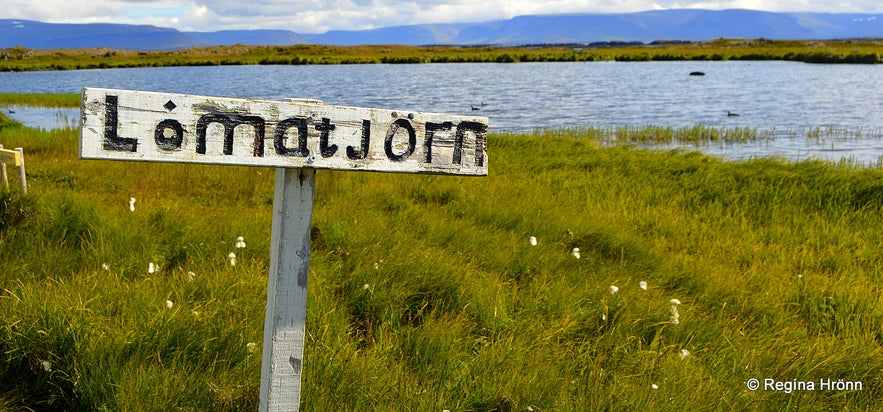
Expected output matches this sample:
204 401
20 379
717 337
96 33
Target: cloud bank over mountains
319 16
647 26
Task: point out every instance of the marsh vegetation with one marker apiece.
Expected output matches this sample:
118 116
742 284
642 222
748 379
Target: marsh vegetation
835 51
441 292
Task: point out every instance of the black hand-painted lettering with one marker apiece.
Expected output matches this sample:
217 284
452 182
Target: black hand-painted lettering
111 140
479 130
325 128
279 137
431 128
230 122
412 140
168 143
351 153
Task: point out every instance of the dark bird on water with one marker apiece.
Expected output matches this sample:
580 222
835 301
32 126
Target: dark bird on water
731 114
697 73
10 111
474 107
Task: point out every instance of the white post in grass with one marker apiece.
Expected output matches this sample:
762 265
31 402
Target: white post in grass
286 314
3 171
296 137
22 180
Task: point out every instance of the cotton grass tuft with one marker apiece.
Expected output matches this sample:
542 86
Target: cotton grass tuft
675 316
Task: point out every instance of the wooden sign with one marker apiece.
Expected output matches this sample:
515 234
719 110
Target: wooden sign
163 127
15 158
297 137
11 157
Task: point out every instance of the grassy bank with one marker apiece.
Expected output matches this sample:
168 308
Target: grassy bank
41 100
841 51
425 293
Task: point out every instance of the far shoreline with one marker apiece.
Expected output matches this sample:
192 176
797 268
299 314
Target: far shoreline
846 51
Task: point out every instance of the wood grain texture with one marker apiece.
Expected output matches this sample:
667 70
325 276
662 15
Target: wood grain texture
166 127
287 290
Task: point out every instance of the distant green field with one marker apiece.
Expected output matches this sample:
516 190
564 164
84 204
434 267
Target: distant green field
426 294
835 51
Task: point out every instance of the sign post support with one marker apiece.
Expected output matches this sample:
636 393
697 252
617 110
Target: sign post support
22 180
287 290
3 171
297 137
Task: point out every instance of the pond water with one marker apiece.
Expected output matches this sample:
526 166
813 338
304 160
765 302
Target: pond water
786 100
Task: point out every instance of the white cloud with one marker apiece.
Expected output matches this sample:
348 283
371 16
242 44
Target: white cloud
313 16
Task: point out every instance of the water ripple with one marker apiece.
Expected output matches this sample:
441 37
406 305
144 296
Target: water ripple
785 99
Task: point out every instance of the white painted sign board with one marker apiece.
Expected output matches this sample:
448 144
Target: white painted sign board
165 127
296 137
14 158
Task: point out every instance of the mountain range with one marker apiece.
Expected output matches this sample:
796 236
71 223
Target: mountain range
585 28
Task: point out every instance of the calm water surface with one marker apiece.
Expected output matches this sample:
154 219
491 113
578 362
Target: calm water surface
786 97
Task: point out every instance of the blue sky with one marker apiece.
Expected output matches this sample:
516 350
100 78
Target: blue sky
316 16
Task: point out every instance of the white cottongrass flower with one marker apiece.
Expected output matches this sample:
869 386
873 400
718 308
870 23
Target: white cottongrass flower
47 366
232 258
575 252
533 240
191 276
132 204
366 286
105 266
251 347
684 354
643 285
654 386
169 304
613 289
240 242
675 316
151 268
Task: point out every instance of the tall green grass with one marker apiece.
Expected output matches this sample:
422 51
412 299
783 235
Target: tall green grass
425 293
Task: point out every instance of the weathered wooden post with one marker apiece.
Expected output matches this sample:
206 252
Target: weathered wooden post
22 178
286 313
297 137
3 170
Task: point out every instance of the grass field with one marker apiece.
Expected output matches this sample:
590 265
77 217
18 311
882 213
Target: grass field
427 295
